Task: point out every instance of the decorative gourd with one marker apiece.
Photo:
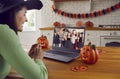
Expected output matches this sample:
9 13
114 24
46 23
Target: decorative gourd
43 41
56 24
89 54
89 24
79 24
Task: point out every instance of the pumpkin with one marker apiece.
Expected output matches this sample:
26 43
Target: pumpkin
89 54
89 24
56 24
43 41
79 24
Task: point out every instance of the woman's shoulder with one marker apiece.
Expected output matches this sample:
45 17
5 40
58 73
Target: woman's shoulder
5 29
4 26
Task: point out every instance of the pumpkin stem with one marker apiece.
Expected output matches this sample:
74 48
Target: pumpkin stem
93 47
89 44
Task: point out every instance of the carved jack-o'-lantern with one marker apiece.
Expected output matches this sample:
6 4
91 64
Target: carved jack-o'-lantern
43 41
89 54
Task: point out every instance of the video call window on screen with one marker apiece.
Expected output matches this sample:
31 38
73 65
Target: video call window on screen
71 38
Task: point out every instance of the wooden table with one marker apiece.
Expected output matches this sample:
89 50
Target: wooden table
107 67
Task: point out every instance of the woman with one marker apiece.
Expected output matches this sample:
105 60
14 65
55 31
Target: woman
12 17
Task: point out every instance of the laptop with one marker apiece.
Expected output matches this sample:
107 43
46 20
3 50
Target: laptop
66 45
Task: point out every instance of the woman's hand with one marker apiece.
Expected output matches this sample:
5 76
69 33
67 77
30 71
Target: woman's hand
36 52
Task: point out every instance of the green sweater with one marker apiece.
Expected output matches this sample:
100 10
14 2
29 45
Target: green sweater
13 55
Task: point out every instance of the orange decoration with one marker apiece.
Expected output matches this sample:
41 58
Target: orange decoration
117 6
83 16
59 11
87 15
89 54
63 25
56 23
65 14
91 15
100 13
75 15
43 41
79 24
108 10
79 68
89 24
83 68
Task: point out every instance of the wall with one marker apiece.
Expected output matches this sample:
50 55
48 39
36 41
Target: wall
28 38
46 17
49 17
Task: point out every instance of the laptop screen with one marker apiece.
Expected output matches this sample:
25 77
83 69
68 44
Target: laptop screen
69 39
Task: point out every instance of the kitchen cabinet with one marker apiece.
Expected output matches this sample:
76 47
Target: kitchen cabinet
110 33
93 37
109 38
102 37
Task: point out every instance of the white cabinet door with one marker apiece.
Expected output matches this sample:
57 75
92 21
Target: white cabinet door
107 37
109 33
93 37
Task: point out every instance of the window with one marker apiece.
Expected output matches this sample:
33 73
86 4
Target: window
31 21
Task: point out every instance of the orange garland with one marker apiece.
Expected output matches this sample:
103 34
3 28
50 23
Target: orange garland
86 15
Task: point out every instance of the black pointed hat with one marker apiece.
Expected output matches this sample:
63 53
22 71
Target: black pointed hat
30 4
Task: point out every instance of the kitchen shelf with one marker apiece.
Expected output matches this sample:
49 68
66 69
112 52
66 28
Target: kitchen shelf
94 28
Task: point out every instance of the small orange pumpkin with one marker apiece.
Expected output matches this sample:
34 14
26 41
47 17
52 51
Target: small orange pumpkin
89 54
43 41
79 24
56 23
89 24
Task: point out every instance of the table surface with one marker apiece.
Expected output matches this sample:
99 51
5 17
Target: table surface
107 67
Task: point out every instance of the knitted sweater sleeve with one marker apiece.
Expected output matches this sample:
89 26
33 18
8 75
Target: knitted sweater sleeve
11 50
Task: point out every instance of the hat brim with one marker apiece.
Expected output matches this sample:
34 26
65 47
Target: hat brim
30 4
33 4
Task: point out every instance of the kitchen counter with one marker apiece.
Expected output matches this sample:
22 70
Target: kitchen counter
107 67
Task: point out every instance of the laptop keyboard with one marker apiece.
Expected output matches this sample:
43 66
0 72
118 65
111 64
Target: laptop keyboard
53 52
56 57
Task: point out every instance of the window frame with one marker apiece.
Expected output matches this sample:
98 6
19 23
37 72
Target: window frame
26 27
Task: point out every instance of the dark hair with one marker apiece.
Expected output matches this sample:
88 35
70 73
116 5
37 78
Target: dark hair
8 17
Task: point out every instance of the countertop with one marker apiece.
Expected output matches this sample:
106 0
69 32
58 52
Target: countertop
107 67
